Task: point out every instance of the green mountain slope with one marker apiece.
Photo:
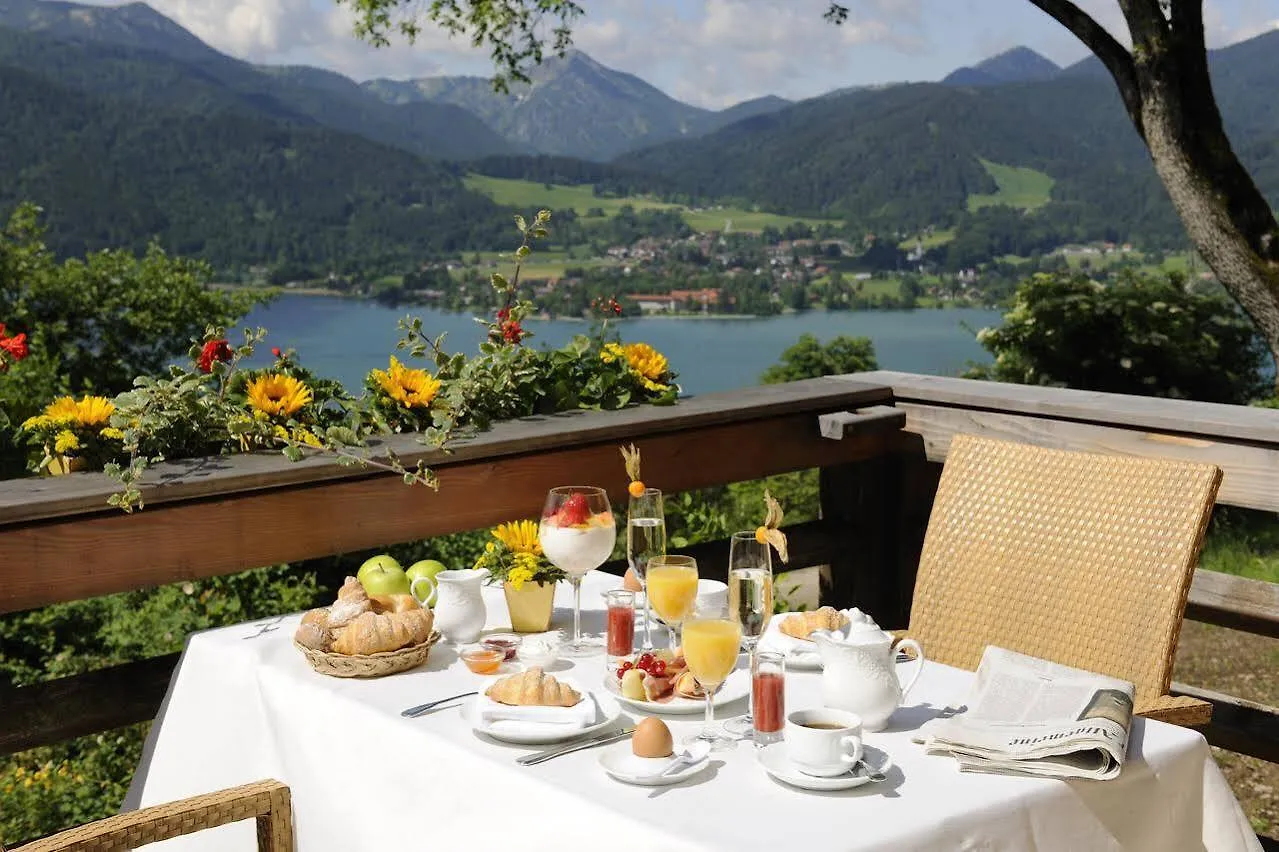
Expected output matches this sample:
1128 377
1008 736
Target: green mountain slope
574 107
904 157
234 189
134 52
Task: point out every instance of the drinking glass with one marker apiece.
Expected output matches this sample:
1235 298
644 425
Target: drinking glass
750 602
645 539
768 696
672 591
621 626
577 535
711 644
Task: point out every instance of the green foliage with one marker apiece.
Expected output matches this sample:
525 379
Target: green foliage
514 31
809 358
94 324
76 781
1144 334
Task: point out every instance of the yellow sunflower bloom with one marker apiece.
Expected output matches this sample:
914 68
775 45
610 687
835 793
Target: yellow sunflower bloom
519 537
411 388
274 394
94 411
647 363
66 442
62 408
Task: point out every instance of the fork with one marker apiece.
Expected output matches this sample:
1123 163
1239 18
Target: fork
413 712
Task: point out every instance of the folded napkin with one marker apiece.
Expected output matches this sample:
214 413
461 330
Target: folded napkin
505 718
801 652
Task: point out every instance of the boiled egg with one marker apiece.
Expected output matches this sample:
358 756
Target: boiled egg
652 739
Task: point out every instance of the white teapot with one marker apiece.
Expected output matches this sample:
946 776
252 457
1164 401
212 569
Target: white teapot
859 673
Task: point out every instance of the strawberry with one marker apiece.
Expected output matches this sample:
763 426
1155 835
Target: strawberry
574 511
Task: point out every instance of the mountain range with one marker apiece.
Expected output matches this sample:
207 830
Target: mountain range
125 126
573 106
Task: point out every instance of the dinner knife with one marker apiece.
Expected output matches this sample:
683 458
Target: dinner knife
422 708
529 760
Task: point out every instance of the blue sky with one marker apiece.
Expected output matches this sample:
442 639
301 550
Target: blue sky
709 52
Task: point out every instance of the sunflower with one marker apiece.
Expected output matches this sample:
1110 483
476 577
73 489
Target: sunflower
519 537
647 363
410 387
62 408
94 411
274 393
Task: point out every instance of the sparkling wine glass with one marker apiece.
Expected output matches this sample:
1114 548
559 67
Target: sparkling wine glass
671 588
711 643
645 539
577 535
750 602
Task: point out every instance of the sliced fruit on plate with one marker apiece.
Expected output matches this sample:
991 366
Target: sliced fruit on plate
658 688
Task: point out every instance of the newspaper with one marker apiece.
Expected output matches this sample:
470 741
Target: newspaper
1029 716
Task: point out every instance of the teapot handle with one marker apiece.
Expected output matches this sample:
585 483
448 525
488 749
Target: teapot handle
919 662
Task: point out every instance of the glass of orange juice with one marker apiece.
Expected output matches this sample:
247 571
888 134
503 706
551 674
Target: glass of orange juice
671 587
711 644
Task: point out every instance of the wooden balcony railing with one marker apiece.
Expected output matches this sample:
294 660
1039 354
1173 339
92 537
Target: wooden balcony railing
877 479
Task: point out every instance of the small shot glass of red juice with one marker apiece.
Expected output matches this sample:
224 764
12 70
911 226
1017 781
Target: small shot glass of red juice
621 626
768 696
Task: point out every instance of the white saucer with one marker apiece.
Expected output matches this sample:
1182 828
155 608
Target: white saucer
524 733
621 763
736 687
777 764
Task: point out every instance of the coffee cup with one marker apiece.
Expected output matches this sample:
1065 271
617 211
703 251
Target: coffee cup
823 742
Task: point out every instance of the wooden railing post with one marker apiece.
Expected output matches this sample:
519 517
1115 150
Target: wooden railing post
878 511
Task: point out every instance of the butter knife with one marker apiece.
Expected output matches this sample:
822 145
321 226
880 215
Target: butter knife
531 759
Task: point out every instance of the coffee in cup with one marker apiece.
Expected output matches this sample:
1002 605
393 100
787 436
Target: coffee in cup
823 742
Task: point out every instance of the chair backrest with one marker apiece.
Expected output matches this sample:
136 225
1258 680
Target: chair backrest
1079 558
266 801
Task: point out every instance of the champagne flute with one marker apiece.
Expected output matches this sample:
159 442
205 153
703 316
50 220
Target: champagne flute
645 539
711 644
577 533
750 602
672 590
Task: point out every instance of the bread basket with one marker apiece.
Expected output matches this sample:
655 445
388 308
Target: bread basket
369 665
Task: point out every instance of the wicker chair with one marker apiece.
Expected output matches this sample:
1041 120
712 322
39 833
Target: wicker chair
1079 558
266 801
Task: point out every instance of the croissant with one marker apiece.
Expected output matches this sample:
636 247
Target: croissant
373 633
352 589
533 687
394 603
316 616
802 624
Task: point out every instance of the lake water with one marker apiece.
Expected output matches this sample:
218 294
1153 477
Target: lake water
344 338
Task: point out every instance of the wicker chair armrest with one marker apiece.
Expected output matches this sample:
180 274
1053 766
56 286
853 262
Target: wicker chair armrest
1176 710
267 801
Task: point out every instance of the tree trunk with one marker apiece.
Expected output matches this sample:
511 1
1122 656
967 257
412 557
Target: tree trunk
1225 215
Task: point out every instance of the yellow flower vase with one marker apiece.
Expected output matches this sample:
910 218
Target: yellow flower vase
61 465
530 606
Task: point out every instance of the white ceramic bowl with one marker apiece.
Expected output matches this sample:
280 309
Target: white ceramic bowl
712 594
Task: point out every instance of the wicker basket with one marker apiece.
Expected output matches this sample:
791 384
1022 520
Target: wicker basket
369 665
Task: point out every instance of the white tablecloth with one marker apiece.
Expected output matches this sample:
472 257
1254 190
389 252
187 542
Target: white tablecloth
245 707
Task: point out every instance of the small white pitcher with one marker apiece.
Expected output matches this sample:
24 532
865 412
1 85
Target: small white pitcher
459 606
859 673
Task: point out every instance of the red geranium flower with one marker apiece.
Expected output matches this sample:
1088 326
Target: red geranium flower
512 332
503 315
275 350
15 346
214 350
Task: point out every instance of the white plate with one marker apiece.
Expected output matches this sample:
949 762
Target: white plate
609 711
737 686
621 763
775 762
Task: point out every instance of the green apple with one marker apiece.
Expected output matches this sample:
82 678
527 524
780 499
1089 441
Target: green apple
382 575
426 568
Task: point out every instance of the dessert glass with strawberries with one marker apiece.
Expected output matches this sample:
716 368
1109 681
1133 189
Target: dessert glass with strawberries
577 535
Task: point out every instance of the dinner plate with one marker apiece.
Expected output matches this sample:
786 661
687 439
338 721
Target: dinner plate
620 762
775 762
524 733
737 686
